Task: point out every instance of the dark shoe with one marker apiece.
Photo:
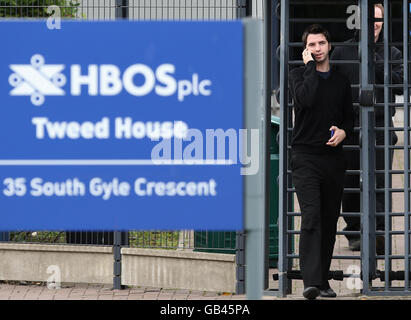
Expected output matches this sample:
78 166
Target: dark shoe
311 293
328 293
380 245
354 244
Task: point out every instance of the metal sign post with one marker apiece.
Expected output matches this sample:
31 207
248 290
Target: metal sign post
254 184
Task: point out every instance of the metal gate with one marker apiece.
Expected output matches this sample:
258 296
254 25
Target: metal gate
383 182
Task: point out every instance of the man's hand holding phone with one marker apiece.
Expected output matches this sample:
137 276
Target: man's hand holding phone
307 56
338 136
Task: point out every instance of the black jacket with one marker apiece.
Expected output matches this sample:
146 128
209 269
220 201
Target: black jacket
319 104
352 71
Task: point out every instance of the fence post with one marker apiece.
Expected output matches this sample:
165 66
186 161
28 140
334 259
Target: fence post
117 260
4 236
254 200
119 238
122 9
249 8
240 262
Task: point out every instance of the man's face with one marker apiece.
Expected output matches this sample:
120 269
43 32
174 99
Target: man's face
318 45
377 25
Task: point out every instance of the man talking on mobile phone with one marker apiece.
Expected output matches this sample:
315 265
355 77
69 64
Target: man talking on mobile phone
323 119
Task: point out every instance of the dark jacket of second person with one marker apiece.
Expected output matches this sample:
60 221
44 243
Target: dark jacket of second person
352 71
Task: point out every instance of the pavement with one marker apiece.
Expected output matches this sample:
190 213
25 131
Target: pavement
79 291
346 290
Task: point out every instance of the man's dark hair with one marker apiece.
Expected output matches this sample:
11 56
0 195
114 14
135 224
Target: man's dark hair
315 29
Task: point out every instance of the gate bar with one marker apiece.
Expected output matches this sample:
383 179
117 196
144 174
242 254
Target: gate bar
268 8
283 282
367 150
406 144
387 160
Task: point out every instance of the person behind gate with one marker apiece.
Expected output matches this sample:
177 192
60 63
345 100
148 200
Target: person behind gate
351 201
324 117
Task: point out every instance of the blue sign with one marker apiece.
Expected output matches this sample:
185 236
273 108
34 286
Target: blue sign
121 126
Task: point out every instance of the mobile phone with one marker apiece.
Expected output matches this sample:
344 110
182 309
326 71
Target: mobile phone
332 133
312 55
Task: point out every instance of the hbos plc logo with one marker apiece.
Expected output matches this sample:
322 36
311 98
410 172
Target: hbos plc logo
38 80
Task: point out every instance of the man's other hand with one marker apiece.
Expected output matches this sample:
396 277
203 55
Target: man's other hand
337 138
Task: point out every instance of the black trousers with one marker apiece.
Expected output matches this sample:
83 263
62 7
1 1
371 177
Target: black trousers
351 201
319 183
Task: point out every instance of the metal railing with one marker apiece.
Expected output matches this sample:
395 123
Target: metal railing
37 8
186 10
133 9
